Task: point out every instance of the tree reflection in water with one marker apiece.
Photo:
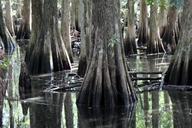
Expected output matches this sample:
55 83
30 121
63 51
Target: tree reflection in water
107 118
47 115
182 109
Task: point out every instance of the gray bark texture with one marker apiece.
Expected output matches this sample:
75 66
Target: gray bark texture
180 67
106 82
47 50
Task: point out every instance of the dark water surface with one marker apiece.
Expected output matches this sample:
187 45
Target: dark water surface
37 108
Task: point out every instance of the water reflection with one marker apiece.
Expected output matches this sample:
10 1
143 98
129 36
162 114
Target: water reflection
68 107
47 115
160 62
182 109
31 107
58 110
107 118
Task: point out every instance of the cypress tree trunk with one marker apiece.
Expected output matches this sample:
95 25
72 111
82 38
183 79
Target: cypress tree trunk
77 23
130 43
155 44
65 27
8 18
47 50
180 69
6 40
72 13
75 14
106 82
24 31
85 6
162 19
143 28
3 87
4 76
19 15
170 36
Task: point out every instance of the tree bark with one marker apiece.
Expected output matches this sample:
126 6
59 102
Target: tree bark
180 69
47 50
75 14
8 18
162 18
155 44
65 27
130 42
6 40
19 2
3 87
72 14
85 6
143 28
170 36
24 31
106 82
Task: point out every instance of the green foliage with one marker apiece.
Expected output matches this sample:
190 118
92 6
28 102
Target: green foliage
163 4
4 65
113 41
150 2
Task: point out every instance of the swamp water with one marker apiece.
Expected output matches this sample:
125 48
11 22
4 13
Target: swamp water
38 108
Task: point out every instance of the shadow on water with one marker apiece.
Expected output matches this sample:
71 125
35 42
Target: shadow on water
32 107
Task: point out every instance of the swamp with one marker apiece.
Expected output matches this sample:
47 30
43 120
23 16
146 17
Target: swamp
95 64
